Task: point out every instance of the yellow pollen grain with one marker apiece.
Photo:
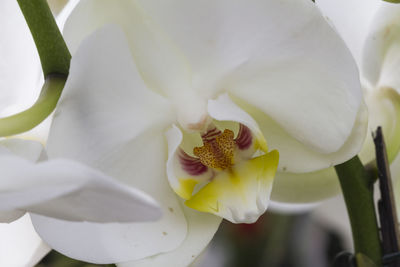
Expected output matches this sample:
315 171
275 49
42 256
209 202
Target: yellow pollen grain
217 153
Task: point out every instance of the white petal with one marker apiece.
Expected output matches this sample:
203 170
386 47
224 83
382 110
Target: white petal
352 19
240 195
384 109
104 103
201 228
161 64
110 121
291 208
305 187
29 150
297 157
57 5
381 55
20 246
110 243
18 57
163 67
10 216
297 70
71 191
181 181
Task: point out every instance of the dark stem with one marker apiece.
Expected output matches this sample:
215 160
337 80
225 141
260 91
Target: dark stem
387 209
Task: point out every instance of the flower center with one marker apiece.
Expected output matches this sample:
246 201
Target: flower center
218 149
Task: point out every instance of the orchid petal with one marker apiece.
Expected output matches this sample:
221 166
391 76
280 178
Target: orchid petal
57 5
27 149
242 194
162 65
384 105
109 120
305 187
180 178
70 191
297 157
164 68
352 19
201 228
107 104
291 208
289 59
30 150
381 55
20 246
18 56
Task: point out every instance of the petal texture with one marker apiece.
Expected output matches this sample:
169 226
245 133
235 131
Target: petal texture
240 195
161 64
104 106
384 107
20 246
201 229
221 52
305 187
352 19
108 120
18 56
381 55
29 150
296 70
295 157
70 191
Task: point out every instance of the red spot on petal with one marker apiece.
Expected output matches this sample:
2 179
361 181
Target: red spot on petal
244 138
191 165
210 135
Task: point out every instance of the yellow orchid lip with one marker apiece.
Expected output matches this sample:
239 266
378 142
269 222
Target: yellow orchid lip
224 178
238 194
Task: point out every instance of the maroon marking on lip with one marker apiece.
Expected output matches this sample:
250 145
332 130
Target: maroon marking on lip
244 138
191 165
210 135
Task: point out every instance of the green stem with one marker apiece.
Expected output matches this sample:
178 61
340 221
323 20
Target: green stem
357 188
53 51
55 59
28 119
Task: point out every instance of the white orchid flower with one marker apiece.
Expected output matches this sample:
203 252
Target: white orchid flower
180 98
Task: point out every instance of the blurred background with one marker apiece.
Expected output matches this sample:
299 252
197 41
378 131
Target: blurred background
311 236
